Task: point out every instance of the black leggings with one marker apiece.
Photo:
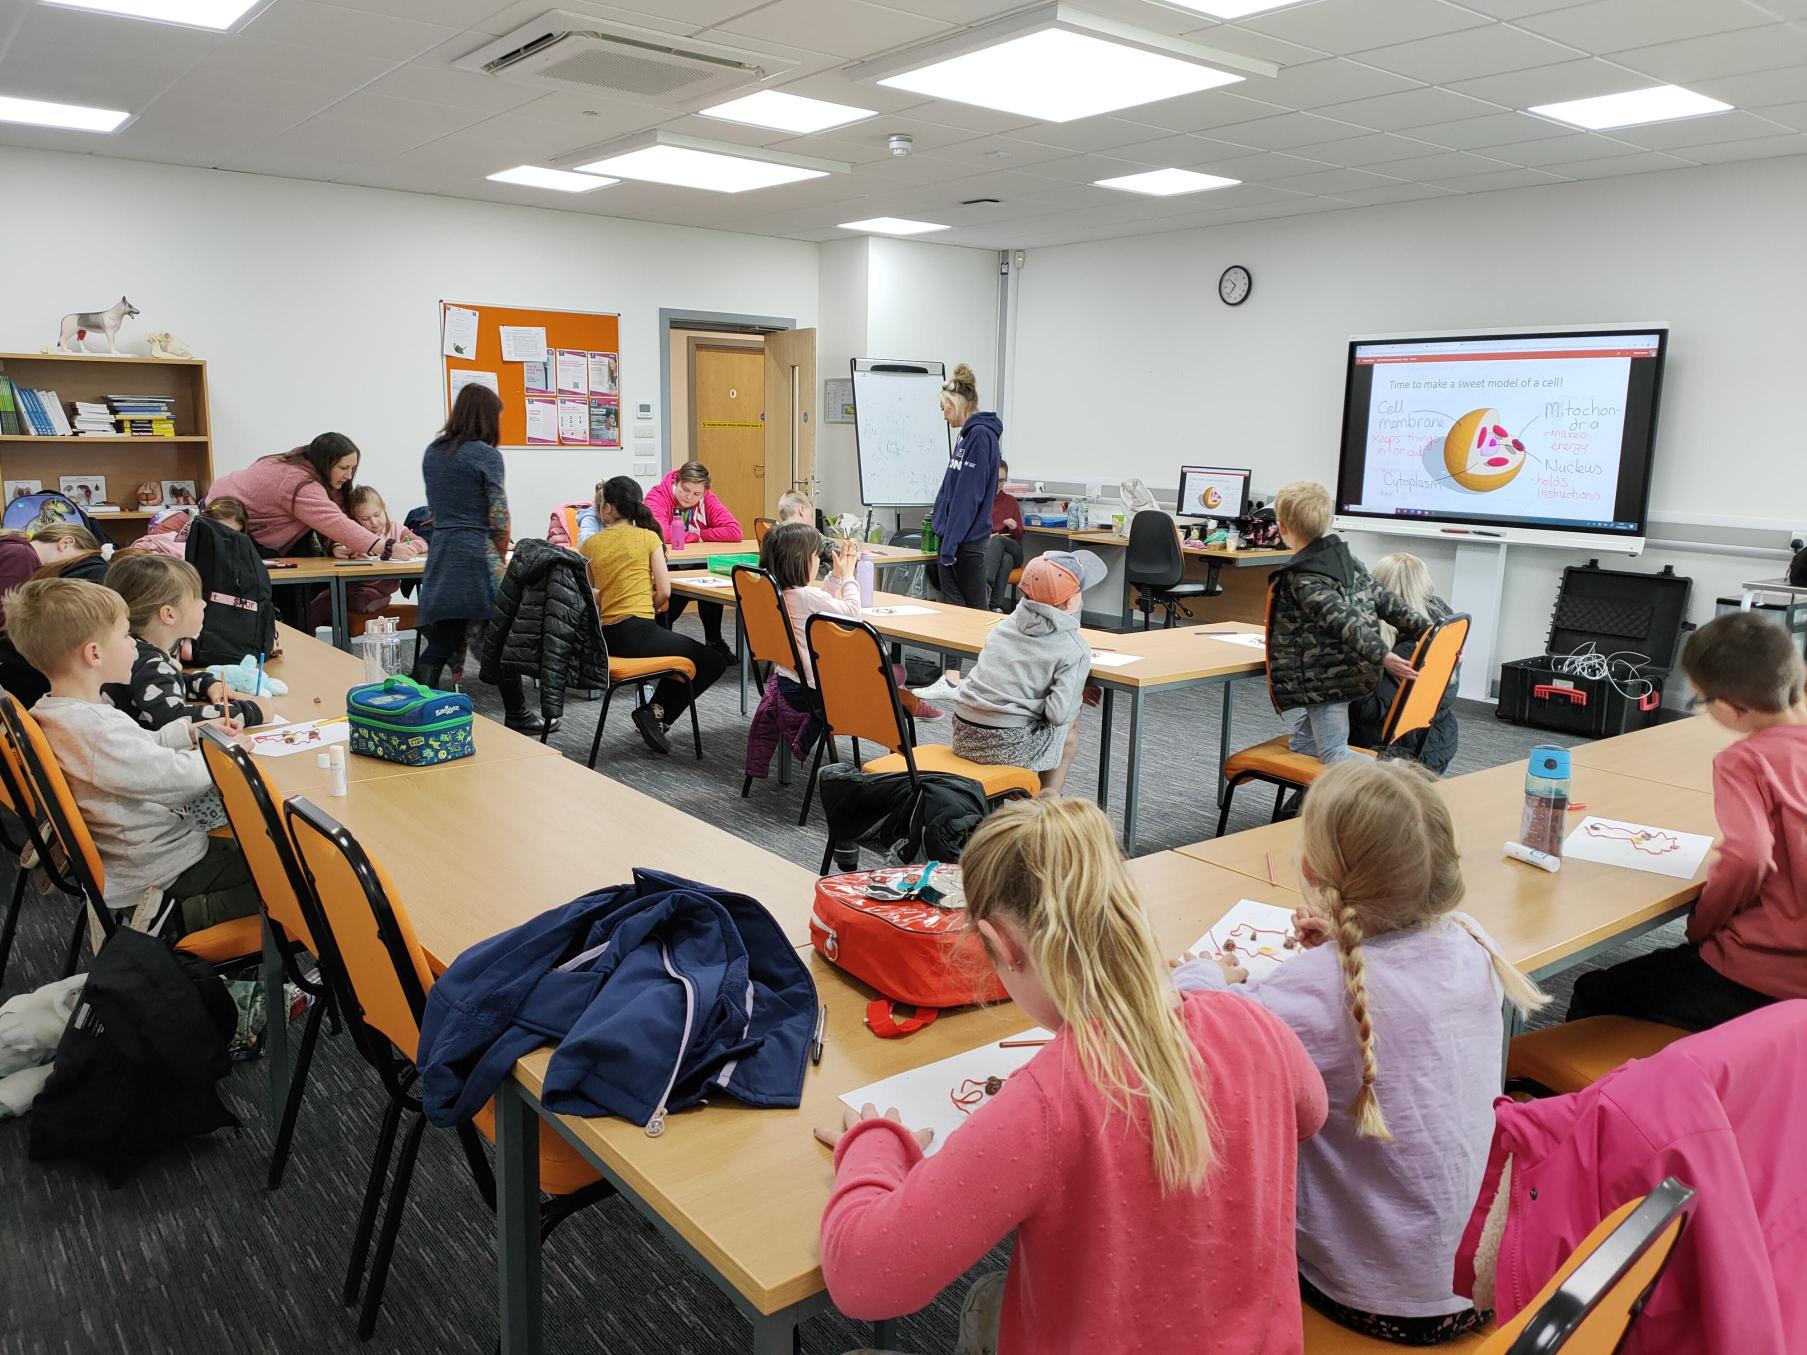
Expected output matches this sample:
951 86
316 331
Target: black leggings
963 584
445 640
1403 1331
1674 986
635 637
709 613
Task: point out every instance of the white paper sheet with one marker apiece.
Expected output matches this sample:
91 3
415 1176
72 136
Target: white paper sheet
523 343
542 423
574 422
1247 641
1254 934
310 736
536 377
705 580
1104 658
462 379
460 332
605 375
924 1096
902 609
1637 846
573 372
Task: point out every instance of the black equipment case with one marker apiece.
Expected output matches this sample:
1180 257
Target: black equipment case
1622 614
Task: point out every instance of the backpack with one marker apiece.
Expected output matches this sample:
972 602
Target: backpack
241 612
137 1065
29 513
1261 529
915 952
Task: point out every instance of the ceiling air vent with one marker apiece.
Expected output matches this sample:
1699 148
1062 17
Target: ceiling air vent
562 50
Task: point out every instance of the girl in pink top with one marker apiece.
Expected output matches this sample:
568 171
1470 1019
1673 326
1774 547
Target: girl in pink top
1145 1158
307 490
372 513
686 511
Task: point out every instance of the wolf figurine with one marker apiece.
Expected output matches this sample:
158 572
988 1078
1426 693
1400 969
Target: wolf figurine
78 326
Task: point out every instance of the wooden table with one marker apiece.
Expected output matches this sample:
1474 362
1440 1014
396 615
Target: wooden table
336 575
1185 656
1244 596
1679 753
701 552
760 1246
1543 922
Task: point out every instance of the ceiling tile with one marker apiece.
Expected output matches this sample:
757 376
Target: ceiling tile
1405 192
1343 26
1199 112
1085 169
429 120
1331 81
1781 9
279 75
1470 54
1501 129
1566 149
1556 84
1711 130
953 11
1445 165
460 89
1749 49
1413 108
1789 115
1264 168
1180 152
989 152
1642 163
967 117
847 28
1089 134
1607 26
198 132
593 114
304 23
73 57
1514 9
1503 178
865 141
1286 131
1757 89
1243 41
1789 144
1337 181
460 14
1355 151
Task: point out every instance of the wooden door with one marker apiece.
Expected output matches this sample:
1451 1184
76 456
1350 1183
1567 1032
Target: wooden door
790 425
728 426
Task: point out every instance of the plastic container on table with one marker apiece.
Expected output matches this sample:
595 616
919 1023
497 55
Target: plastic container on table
1544 824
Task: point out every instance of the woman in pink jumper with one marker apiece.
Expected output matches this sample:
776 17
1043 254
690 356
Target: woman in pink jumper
1145 1158
687 511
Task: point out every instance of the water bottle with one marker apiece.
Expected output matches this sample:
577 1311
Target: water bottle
865 574
1544 822
1076 514
931 542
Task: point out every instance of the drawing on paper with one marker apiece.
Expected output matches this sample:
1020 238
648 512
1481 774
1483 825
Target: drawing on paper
1257 936
1637 846
1650 841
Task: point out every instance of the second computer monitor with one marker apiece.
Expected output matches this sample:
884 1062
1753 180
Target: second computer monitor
1213 492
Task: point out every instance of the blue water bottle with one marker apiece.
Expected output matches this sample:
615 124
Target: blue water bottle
1544 822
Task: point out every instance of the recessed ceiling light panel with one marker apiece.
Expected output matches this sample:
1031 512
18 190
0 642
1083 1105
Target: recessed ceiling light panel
215 14
559 180
892 225
1232 9
1660 103
685 168
70 117
787 112
1167 183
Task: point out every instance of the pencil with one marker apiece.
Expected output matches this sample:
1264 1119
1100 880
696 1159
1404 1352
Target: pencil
260 676
815 1045
1024 1044
1270 868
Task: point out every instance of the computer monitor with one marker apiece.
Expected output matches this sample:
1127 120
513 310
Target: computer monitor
1213 492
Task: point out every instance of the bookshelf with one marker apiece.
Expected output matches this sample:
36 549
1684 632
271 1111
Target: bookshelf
126 462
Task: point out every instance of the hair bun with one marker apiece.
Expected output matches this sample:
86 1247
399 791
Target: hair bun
964 374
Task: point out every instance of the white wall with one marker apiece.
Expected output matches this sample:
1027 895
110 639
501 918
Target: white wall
317 305
1127 363
840 337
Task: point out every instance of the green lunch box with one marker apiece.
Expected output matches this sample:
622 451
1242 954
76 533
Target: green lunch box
399 720
724 564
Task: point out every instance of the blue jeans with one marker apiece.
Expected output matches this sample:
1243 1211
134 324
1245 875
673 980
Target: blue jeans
1322 731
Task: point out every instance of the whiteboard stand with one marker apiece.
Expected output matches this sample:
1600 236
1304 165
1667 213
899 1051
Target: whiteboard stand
1479 586
901 440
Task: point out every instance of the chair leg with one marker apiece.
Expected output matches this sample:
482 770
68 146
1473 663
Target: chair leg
12 918
291 1109
1279 801
809 786
1223 814
608 694
392 1222
696 730
827 854
74 955
746 787
373 1194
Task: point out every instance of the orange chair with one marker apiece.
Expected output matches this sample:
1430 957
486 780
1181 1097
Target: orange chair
760 527
1589 1303
1414 706
38 843
379 976
226 945
1575 1055
859 699
251 810
636 673
766 623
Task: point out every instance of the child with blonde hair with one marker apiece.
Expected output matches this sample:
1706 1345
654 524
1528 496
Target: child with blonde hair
1145 1157
372 514
163 608
1386 1189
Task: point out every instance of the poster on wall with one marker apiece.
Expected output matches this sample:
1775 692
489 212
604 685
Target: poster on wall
573 422
573 373
605 423
605 374
536 377
542 423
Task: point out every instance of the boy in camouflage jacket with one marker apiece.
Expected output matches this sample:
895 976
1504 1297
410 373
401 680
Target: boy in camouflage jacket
1324 647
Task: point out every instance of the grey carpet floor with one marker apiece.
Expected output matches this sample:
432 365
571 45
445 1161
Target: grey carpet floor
194 1255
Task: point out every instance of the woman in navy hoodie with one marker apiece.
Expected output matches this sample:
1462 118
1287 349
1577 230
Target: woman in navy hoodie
962 513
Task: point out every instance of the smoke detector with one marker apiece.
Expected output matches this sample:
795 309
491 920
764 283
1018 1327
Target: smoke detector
901 143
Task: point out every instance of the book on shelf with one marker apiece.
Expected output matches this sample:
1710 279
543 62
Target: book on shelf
10 424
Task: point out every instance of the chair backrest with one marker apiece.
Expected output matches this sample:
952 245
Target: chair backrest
1153 556
854 682
766 619
569 513
256 823
25 804
1590 1302
367 951
761 526
47 784
910 537
1438 653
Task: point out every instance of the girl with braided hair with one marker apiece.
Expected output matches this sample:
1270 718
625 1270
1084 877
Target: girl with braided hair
1398 1000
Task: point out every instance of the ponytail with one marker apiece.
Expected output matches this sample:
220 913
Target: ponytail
1369 1122
1520 988
1051 867
624 495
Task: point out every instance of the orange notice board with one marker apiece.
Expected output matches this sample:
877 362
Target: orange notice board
574 400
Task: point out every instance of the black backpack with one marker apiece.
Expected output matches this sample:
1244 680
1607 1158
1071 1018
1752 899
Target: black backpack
241 613
137 1067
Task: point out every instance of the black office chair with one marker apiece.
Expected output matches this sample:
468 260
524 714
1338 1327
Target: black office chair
1157 568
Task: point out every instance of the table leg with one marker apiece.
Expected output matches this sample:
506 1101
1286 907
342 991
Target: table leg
1131 772
1104 749
1223 739
784 762
276 1025
518 1220
746 661
884 1334
341 626
774 1336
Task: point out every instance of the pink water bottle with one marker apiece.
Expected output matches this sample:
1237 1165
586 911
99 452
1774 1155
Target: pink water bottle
865 575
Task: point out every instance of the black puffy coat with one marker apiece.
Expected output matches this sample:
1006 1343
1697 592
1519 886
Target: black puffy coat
545 625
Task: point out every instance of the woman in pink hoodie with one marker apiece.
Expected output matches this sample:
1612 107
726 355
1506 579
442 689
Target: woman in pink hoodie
687 512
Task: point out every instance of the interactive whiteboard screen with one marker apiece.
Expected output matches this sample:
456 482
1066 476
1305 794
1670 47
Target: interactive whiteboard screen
1524 434
903 440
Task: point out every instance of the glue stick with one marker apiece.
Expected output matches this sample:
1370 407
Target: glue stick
1532 857
337 753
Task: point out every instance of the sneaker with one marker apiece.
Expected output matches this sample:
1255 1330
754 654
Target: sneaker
651 730
927 711
938 690
729 657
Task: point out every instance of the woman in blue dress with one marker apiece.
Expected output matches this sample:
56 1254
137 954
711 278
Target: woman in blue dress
464 477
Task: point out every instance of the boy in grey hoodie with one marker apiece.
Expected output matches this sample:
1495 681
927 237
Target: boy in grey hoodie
1020 704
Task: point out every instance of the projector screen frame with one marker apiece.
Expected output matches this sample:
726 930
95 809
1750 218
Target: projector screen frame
1455 529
